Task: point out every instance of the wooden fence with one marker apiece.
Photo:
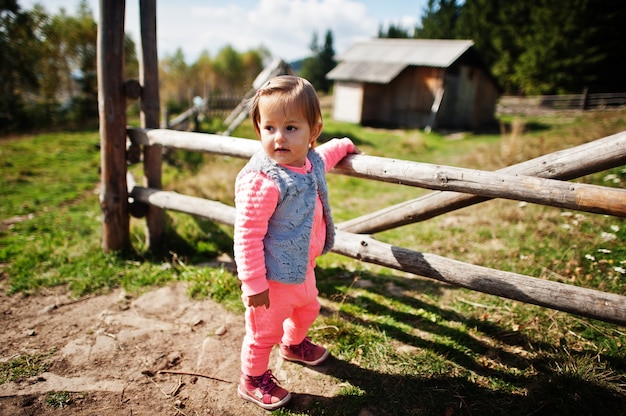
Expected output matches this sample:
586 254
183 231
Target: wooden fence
218 106
476 186
540 180
541 104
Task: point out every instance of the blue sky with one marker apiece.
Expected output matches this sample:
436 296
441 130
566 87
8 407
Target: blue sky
285 27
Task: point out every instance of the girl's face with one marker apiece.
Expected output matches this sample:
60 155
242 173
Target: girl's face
285 132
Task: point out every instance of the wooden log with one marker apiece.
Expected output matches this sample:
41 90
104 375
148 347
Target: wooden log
187 115
150 114
577 196
595 156
197 142
205 208
583 197
112 116
589 303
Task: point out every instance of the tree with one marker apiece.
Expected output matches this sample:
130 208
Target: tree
204 75
609 16
19 53
66 66
495 28
48 66
393 32
173 77
439 20
311 66
228 64
549 47
253 64
315 67
81 37
131 63
230 72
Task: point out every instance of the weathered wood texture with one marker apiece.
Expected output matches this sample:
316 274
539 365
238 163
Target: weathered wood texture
112 115
595 156
195 142
580 301
576 196
211 210
150 114
568 298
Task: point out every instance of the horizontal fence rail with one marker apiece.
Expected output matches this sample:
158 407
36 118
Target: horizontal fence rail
591 157
582 197
564 102
568 298
197 142
512 182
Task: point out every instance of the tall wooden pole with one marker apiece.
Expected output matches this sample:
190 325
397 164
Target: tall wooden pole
150 113
112 115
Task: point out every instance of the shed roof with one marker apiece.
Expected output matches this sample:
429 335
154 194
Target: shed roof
381 60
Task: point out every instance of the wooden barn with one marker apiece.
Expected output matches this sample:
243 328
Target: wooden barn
424 83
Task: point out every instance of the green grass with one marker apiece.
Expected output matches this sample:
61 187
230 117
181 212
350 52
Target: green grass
41 172
59 399
23 367
401 344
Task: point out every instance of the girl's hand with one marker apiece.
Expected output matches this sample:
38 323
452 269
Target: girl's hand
260 299
356 150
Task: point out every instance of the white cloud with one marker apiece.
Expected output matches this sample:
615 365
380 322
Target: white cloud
285 27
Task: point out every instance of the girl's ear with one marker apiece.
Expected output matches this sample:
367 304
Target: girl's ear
315 133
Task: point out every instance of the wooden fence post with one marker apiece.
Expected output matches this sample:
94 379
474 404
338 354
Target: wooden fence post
112 115
150 111
584 98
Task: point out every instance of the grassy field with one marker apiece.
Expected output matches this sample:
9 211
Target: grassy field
462 352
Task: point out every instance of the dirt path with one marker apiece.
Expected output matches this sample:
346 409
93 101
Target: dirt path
107 352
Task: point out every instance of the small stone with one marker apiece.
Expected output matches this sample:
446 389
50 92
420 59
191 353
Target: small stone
221 330
48 309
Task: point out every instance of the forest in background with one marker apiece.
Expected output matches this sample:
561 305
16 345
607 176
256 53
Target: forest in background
48 61
535 47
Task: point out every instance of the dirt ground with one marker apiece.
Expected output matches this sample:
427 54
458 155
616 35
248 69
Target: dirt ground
109 352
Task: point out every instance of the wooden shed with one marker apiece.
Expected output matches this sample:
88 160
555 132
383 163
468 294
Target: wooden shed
423 83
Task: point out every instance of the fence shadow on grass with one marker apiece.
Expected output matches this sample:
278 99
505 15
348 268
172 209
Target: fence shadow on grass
543 382
376 393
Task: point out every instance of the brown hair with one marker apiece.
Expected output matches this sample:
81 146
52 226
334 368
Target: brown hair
291 91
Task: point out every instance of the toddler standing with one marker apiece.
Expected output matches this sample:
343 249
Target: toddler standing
283 223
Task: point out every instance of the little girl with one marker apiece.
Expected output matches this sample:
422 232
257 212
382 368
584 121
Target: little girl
283 223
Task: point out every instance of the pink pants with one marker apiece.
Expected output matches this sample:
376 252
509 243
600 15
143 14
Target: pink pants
292 311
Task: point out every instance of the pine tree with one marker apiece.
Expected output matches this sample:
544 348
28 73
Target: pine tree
322 60
439 20
19 53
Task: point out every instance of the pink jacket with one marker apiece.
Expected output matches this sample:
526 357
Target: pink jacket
256 197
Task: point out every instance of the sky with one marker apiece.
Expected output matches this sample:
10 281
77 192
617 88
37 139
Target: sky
284 27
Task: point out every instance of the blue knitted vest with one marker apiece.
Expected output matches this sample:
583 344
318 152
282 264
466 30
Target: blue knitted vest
288 237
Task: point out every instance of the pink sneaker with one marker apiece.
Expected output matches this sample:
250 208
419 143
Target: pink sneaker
263 391
306 352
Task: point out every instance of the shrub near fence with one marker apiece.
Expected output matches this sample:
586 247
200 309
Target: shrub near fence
541 104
